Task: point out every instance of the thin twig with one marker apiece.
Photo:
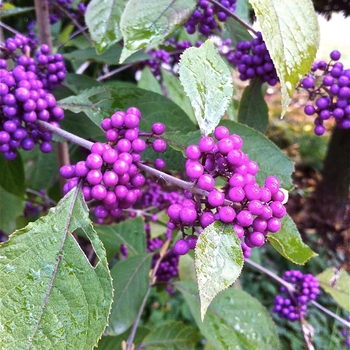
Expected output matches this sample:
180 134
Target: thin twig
115 71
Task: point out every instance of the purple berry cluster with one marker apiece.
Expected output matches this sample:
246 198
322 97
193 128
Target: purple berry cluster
293 305
161 57
328 86
59 8
345 333
252 59
25 96
253 211
205 16
110 174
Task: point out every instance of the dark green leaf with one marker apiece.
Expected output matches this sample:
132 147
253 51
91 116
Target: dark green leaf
171 336
287 242
102 19
337 284
79 82
11 207
207 81
114 342
291 32
14 11
271 160
12 175
129 232
237 32
218 261
146 22
50 293
253 109
131 283
234 320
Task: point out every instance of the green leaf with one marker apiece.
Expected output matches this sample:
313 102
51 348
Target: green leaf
253 109
187 271
102 19
237 32
288 243
171 336
35 161
177 93
271 160
218 261
131 284
129 232
291 32
146 22
234 320
11 207
14 11
207 81
149 82
50 294
12 175
112 342
336 283
79 82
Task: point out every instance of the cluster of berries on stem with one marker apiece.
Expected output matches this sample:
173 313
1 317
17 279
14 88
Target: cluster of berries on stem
328 86
304 288
25 83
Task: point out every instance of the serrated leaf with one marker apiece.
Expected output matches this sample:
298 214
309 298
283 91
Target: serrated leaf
177 93
50 294
271 160
14 11
131 283
336 283
148 22
218 261
12 175
287 241
253 109
207 81
291 32
171 336
234 320
102 19
11 207
130 232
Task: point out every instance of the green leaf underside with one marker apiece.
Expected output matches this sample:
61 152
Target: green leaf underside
253 109
12 175
171 336
130 282
337 284
14 11
234 320
48 299
207 81
148 22
271 160
291 32
130 232
102 19
218 261
287 241
149 82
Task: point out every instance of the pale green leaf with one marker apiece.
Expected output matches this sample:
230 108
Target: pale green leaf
51 296
218 261
337 284
287 241
149 82
234 320
131 283
291 32
187 271
171 336
102 19
207 81
148 22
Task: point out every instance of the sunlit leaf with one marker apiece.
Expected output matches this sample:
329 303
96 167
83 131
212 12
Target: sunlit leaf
218 261
207 81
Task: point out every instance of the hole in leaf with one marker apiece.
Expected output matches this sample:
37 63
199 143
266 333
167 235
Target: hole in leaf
86 247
